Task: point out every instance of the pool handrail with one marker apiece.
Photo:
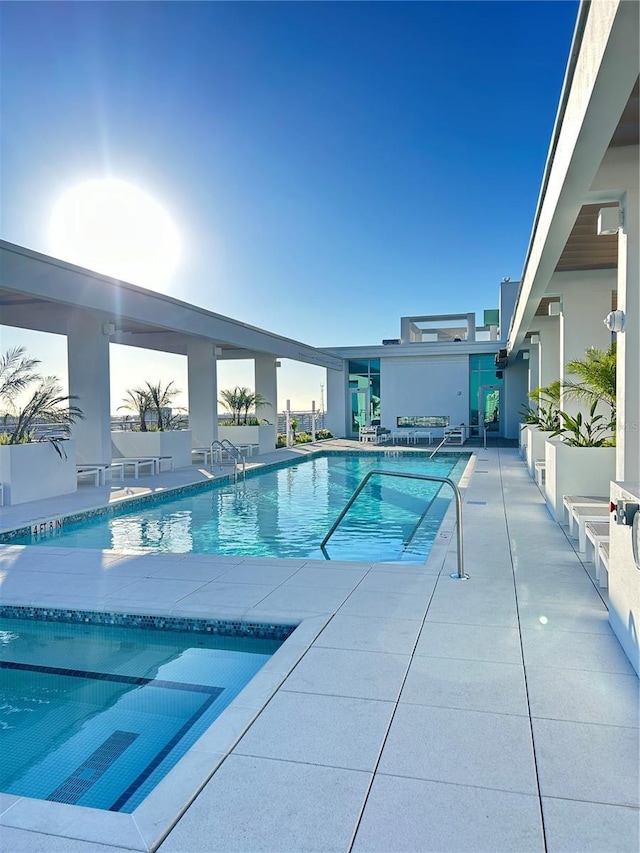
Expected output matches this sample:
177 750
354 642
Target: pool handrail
234 452
460 575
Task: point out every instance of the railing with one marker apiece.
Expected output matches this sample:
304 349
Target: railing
226 446
446 438
444 480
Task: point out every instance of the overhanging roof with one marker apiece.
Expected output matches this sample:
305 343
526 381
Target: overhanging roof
42 293
598 113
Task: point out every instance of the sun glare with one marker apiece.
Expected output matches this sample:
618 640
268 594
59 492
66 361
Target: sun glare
114 228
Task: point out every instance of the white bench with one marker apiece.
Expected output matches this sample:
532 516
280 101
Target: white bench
602 573
596 532
455 435
205 452
419 434
136 463
98 472
569 501
581 515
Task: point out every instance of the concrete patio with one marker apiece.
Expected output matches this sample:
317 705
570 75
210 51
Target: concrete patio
412 712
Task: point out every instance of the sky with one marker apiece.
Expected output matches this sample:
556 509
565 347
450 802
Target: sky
329 166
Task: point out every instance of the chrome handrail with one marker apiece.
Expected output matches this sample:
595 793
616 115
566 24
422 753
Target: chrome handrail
234 452
461 574
445 439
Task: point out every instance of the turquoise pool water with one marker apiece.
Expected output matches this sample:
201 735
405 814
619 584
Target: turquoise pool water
95 716
286 512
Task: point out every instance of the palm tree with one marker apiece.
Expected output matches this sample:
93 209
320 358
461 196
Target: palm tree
47 403
17 372
253 401
138 401
596 374
238 401
161 398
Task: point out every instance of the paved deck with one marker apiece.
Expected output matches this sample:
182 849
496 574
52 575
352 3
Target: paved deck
415 712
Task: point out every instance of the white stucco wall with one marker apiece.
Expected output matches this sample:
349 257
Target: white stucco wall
31 472
438 385
624 579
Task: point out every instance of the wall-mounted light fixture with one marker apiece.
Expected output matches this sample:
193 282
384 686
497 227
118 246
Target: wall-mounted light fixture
217 351
555 309
108 329
525 355
615 321
608 221
534 339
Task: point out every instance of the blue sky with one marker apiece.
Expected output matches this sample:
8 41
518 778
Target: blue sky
330 166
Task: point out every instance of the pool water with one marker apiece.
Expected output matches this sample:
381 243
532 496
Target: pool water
96 715
286 512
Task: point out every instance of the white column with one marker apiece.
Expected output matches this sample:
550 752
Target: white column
628 342
203 392
337 396
88 368
534 367
586 300
548 349
266 384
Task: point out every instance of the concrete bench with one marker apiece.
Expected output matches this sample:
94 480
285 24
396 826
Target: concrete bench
596 532
98 472
569 501
581 515
136 463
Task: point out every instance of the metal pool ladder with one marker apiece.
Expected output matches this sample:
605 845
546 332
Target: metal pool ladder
460 574
234 453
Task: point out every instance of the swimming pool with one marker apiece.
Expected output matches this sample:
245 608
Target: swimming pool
286 512
96 715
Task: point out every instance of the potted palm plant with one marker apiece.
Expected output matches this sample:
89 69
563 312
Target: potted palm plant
540 420
580 452
159 430
242 428
37 457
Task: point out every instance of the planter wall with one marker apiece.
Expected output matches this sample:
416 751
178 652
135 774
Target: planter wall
264 436
624 580
535 448
31 472
576 471
176 443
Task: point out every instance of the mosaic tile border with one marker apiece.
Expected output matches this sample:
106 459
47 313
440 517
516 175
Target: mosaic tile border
176 624
140 501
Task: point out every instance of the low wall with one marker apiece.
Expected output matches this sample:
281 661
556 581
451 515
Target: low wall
31 472
624 580
176 443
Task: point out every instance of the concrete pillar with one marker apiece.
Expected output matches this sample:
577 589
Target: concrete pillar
202 380
88 368
548 349
628 342
266 384
586 300
534 367
337 397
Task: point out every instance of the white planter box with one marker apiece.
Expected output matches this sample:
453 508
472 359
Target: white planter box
576 471
264 436
535 448
624 579
30 472
175 443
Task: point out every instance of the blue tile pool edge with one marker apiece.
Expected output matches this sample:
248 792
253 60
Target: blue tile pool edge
123 505
149 824
219 627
